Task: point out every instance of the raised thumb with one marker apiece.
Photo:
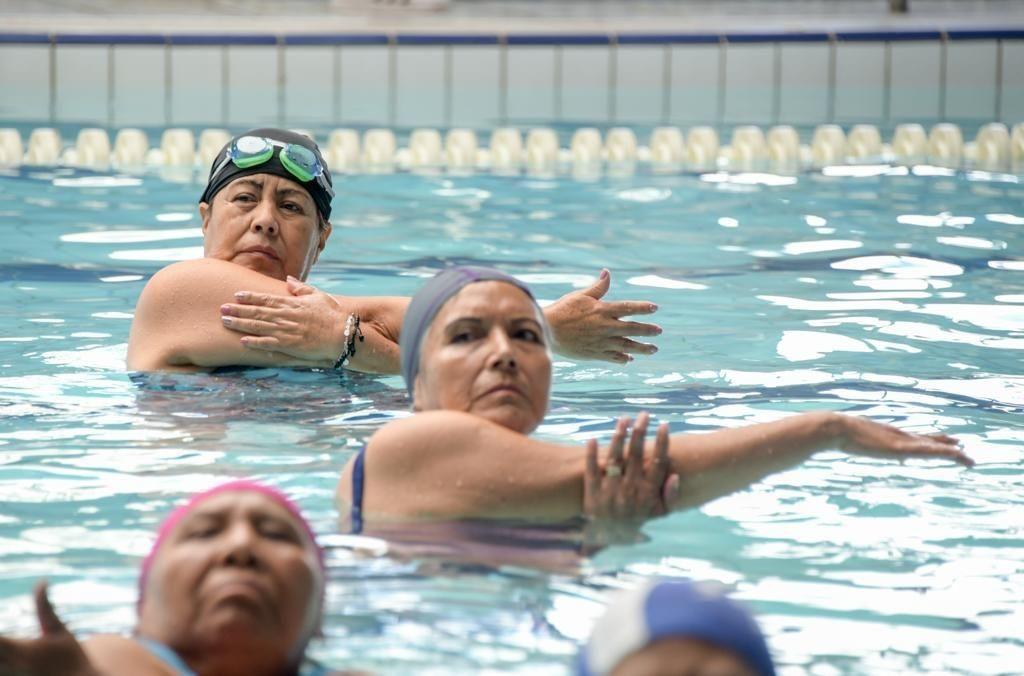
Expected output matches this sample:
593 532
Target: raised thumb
599 288
49 623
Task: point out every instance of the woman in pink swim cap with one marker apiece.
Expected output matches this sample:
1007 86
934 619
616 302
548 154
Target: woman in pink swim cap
234 584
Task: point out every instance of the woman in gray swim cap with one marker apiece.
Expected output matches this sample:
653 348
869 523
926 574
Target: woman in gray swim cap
477 363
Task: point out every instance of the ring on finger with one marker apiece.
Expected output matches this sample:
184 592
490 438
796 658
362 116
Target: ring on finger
613 470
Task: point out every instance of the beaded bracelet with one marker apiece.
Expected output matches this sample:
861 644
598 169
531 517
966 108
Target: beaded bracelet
352 331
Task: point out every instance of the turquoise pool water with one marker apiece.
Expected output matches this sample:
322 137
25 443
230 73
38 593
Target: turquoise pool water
875 290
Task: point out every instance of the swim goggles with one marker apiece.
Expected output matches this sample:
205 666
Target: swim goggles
299 161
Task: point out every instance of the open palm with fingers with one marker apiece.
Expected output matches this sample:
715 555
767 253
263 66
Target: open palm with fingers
586 326
861 436
630 487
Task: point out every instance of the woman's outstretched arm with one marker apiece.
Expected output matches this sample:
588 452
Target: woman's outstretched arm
447 464
304 323
718 463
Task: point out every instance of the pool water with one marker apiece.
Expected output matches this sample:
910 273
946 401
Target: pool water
882 291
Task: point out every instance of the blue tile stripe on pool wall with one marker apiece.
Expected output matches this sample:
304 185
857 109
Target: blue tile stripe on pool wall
501 38
645 66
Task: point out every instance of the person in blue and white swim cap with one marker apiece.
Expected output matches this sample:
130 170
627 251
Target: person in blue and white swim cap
675 628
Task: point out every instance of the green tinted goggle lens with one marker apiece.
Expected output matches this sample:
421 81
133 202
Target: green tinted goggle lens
301 162
250 151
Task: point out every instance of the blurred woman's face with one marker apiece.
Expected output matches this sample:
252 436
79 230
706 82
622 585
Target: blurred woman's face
677 656
236 574
486 353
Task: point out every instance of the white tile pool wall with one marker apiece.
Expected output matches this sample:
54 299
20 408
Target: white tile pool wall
117 85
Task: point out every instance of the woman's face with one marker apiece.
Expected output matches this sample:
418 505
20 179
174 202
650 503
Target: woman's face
677 655
266 223
236 574
486 354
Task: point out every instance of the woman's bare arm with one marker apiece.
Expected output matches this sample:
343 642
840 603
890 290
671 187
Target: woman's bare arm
178 323
306 323
309 324
449 464
724 461
446 464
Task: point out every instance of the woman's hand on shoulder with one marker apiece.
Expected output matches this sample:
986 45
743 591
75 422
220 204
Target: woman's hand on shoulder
588 327
861 436
55 651
308 324
177 323
629 487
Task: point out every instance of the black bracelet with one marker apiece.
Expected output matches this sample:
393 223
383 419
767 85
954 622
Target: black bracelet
352 331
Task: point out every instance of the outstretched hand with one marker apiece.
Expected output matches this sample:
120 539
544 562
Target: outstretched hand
307 325
861 436
588 327
630 487
56 651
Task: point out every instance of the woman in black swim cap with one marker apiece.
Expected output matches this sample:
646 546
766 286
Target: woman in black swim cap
265 217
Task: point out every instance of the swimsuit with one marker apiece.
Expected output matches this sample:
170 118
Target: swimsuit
167 656
179 668
356 513
467 538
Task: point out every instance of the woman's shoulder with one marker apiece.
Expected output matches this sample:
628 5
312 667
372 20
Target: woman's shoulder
115 655
186 286
177 281
443 419
185 269
425 439
428 428
202 271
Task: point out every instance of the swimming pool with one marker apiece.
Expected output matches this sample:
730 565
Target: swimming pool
885 291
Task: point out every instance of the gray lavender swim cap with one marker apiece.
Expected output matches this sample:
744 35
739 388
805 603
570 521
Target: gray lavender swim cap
425 305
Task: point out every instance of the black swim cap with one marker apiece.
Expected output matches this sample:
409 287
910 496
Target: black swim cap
321 197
